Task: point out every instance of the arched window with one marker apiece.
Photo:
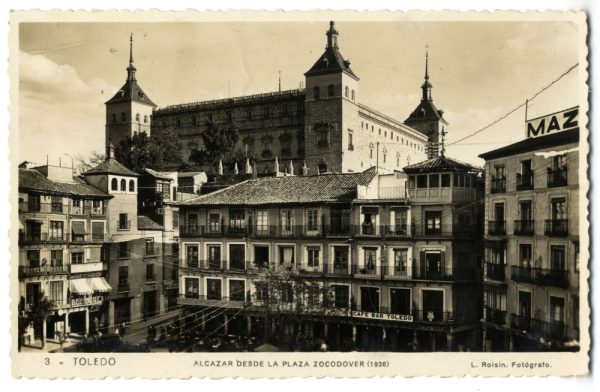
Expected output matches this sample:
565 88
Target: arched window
353 95
131 186
114 185
346 92
317 93
123 185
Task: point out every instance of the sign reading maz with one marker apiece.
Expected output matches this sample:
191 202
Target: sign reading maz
555 122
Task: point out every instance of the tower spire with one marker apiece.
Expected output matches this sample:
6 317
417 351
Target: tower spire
426 86
332 35
131 68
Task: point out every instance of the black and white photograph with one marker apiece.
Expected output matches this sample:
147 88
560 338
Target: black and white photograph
331 185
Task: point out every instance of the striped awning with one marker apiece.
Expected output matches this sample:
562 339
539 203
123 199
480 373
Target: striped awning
100 285
81 287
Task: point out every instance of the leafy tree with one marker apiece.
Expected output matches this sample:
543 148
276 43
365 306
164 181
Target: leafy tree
219 142
83 163
37 315
284 296
161 151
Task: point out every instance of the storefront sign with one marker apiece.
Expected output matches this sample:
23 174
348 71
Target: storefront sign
383 316
552 123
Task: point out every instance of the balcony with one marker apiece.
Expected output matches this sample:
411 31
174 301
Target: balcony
524 181
495 316
556 227
366 271
52 238
524 227
557 177
540 276
448 273
498 185
43 270
87 210
444 231
40 208
496 227
194 299
538 328
437 317
495 271
337 269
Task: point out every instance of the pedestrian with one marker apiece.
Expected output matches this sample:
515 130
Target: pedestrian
122 329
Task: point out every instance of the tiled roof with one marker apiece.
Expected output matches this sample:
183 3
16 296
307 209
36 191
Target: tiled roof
437 164
145 223
534 144
288 190
111 166
425 111
131 91
32 180
159 175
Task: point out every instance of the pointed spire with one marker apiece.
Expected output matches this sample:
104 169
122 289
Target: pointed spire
280 81
220 167
332 35
131 68
426 86
248 167
443 148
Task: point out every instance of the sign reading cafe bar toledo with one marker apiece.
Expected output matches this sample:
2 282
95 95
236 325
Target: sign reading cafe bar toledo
373 315
552 123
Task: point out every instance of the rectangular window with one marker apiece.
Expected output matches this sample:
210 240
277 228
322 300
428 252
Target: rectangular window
33 203
330 90
369 220
399 223
445 180
56 292
56 258
350 142
286 221
286 255
237 290
123 250
191 256
400 301
56 204
214 256
433 222
525 255
340 259
370 259
557 310
317 93
237 256
261 255
175 219
287 293
312 220
237 220
400 261
214 222
77 231
341 296
558 209
575 313
123 221
123 276
97 231
77 258
312 257
192 287
33 258
56 230
557 258
262 291
150 272
422 181
434 180
213 289
149 246
411 182
262 222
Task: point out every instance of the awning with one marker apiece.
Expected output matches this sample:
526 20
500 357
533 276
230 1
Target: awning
78 228
100 285
81 287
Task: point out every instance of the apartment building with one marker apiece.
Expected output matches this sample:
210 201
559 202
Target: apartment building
62 229
382 273
532 244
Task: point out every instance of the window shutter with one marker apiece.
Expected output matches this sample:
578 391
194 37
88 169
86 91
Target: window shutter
422 263
442 261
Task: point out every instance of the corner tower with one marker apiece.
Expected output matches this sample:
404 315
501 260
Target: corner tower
426 118
129 111
330 108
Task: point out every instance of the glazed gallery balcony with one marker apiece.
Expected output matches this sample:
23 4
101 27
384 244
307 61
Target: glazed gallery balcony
540 276
549 330
41 238
43 270
215 299
58 208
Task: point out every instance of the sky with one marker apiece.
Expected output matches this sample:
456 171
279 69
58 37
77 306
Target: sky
479 71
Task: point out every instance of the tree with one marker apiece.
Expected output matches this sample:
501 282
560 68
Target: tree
37 315
83 163
285 295
160 151
219 143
